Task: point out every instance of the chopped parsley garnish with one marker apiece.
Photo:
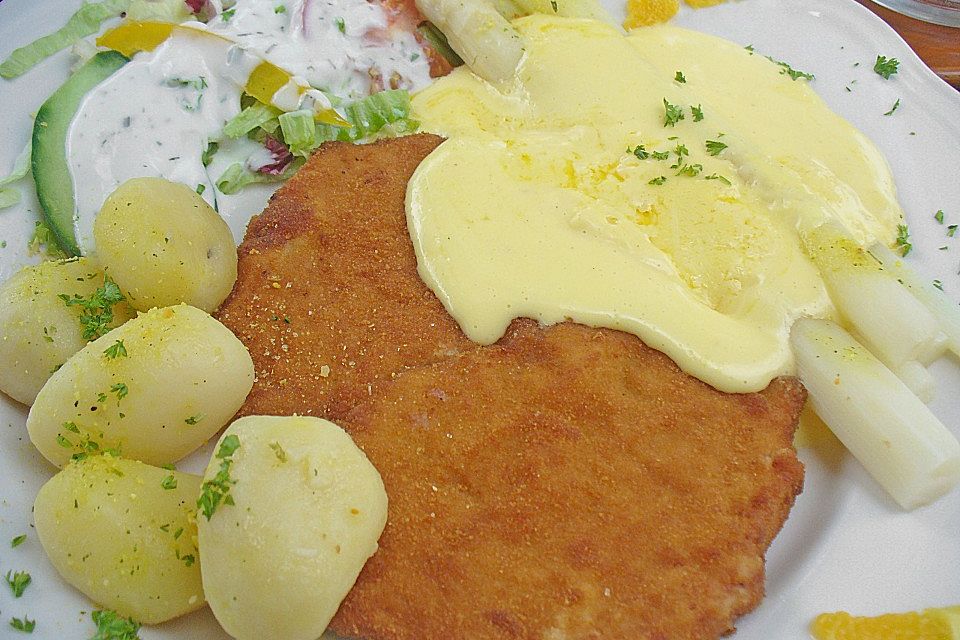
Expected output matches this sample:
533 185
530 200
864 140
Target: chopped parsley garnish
714 147
691 170
96 313
341 25
187 560
169 482
85 446
681 151
229 445
795 74
217 489
116 350
896 105
679 77
938 216
18 540
110 626
640 152
207 156
169 466
226 15
278 451
886 67
672 114
903 239
786 69
660 155
717 176
120 389
658 181
280 9
697 112
192 420
26 625
18 582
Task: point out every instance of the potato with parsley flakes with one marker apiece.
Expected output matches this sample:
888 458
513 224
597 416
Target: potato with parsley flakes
164 245
154 389
290 510
48 312
124 534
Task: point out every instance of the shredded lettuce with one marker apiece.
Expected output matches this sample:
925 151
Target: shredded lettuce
256 115
8 197
43 242
175 11
378 113
21 166
383 113
237 176
370 115
299 131
86 21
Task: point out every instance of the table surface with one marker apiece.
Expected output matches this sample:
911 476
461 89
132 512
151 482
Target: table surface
938 46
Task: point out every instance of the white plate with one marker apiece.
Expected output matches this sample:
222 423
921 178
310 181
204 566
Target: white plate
846 545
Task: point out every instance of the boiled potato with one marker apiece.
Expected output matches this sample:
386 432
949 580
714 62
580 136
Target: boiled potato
307 510
155 388
38 330
164 245
124 534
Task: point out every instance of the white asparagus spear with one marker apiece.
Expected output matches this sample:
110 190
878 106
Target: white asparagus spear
486 41
946 312
568 9
893 324
886 427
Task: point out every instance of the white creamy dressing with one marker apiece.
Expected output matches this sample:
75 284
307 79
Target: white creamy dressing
343 48
157 114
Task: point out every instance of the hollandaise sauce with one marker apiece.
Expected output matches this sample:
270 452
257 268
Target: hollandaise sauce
660 183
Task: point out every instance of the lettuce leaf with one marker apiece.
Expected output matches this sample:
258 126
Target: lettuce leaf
299 131
256 115
386 111
86 21
383 113
237 176
8 195
175 11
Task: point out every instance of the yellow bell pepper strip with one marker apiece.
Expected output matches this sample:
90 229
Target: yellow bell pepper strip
264 81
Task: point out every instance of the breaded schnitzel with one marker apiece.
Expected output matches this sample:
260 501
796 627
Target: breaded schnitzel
327 297
568 483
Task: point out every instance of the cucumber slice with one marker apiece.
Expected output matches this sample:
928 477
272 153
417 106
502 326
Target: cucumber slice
51 172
